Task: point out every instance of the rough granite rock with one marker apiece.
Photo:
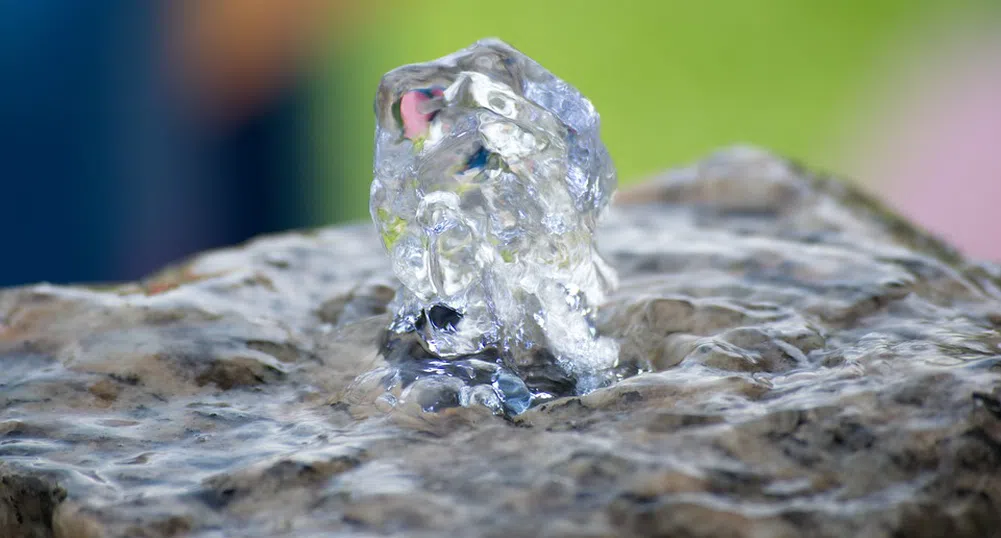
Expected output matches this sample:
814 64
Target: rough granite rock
813 365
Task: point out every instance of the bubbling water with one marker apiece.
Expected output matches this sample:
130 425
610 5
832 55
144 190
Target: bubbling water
490 178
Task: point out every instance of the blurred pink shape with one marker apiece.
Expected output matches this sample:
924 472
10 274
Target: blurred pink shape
417 122
938 156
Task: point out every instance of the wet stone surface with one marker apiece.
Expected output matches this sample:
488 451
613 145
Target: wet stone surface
810 365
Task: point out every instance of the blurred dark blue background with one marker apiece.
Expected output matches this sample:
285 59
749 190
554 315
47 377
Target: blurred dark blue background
110 167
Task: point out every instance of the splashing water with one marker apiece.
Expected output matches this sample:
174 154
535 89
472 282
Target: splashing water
490 177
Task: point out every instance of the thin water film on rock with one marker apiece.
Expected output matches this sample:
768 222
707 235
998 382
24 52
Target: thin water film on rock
490 177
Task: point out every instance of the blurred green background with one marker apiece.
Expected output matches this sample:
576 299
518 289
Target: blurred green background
671 79
138 133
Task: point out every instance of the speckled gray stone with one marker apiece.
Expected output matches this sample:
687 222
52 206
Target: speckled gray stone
812 365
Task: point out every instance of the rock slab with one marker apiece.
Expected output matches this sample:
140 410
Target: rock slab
809 364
